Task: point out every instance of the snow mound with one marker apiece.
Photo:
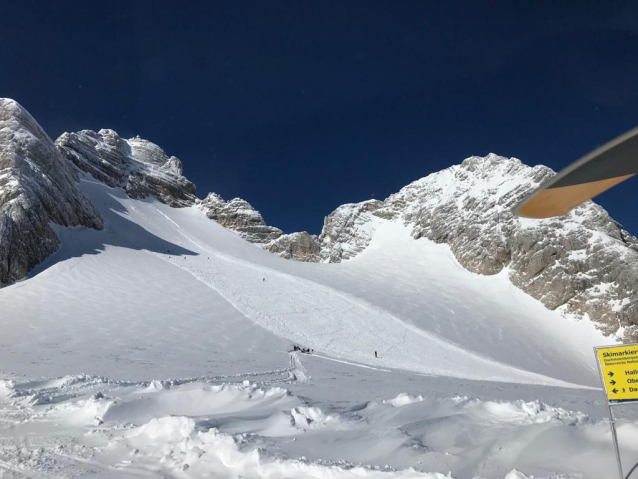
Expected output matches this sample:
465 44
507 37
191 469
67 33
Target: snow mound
403 399
310 417
521 412
258 429
6 389
140 404
175 442
164 430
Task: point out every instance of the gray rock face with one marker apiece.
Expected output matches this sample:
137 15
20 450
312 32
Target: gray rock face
582 263
346 232
37 186
238 215
142 168
297 246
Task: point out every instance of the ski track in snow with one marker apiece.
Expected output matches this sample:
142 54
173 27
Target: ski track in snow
351 363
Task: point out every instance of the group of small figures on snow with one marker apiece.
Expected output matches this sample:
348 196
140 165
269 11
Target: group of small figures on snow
303 350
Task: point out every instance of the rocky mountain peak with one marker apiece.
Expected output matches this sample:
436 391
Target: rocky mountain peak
37 186
582 263
139 166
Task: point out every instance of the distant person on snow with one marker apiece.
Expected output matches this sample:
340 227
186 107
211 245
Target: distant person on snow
375 354
264 279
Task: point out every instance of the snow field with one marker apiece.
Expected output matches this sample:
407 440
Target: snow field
155 347
241 429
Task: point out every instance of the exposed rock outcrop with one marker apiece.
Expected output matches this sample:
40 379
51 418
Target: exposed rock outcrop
238 215
37 186
139 166
583 263
346 232
297 246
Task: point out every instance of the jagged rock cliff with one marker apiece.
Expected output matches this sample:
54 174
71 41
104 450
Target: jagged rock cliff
583 263
345 234
142 168
297 246
238 215
37 186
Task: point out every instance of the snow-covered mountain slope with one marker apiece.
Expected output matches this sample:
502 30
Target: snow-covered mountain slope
37 187
473 375
447 322
164 293
583 263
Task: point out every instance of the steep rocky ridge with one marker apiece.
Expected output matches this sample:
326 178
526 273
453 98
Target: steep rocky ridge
139 166
238 215
345 233
584 263
297 246
37 186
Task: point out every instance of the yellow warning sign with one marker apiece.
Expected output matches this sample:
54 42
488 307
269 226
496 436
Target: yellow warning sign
619 370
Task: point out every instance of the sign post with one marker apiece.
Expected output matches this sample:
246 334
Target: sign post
618 368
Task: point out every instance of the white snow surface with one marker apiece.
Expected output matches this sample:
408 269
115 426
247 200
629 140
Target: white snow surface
160 347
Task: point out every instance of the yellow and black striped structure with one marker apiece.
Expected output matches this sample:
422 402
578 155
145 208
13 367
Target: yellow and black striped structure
596 172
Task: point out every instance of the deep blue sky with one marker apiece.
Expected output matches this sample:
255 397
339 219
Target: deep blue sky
299 106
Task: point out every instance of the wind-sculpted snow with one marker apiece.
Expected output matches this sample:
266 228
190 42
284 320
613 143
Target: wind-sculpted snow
37 186
142 168
88 425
